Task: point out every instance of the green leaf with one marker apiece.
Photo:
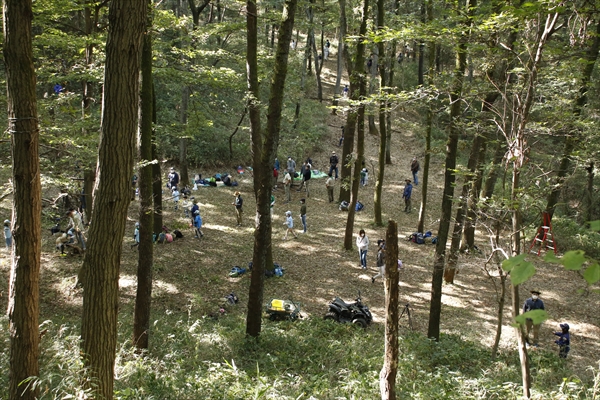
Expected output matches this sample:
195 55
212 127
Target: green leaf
573 260
592 274
538 316
551 258
521 272
510 263
594 225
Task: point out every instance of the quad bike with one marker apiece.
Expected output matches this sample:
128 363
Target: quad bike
356 312
283 309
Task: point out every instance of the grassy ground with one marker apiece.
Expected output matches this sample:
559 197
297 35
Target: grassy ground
192 353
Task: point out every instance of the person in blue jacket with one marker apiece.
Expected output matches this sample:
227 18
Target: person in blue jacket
563 341
198 224
406 196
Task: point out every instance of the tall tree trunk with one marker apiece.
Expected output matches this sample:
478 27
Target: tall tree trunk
183 165
127 21
382 122
387 376
429 126
143 298
518 147
264 148
421 65
461 210
23 296
156 173
435 309
339 57
350 126
359 78
589 209
572 139
495 168
373 89
473 201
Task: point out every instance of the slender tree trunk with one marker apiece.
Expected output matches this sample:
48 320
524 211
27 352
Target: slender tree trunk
492 176
350 126
183 165
339 57
461 210
143 298
377 195
359 78
387 376
23 295
429 126
435 309
473 201
156 174
589 210
571 140
102 260
373 89
264 148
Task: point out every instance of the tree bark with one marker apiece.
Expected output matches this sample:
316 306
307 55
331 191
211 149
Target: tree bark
461 210
377 195
435 309
359 78
339 57
429 126
183 165
387 376
127 23
589 209
571 140
23 300
143 298
156 178
264 148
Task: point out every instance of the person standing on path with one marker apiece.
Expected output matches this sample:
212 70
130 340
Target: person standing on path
563 341
380 260
7 234
329 183
533 303
303 213
291 167
238 203
289 222
362 242
197 225
333 164
306 175
414 168
172 179
406 196
287 183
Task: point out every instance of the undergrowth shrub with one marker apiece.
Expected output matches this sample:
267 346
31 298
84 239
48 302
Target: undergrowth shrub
570 235
212 359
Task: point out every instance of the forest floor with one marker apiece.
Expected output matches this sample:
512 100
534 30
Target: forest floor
191 276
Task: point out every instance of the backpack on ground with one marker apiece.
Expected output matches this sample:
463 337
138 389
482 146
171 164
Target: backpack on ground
359 206
344 206
177 233
237 271
231 298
